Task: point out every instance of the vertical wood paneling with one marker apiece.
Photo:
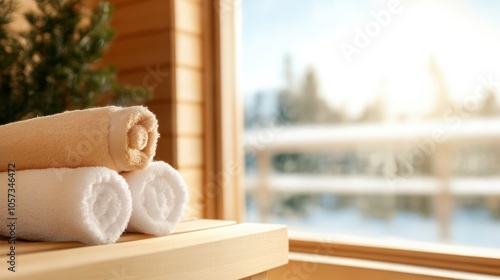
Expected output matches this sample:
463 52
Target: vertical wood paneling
163 112
190 19
188 48
190 98
226 110
141 54
189 85
164 151
194 179
189 119
165 37
190 152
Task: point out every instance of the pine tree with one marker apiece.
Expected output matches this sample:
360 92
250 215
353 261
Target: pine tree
285 107
443 100
488 106
376 110
310 106
309 98
53 66
11 100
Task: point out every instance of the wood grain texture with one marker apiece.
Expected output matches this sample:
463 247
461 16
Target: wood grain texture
159 44
460 258
188 50
27 247
156 78
189 85
227 112
189 152
308 266
194 180
189 19
189 119
139 52
260 276
165 150
228 252
140 17
209 83
122 3
165 116
200 224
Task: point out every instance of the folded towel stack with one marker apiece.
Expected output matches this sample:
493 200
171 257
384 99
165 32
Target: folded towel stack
87 175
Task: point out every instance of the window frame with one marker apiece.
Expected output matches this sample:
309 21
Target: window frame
223 118
443 256
225 114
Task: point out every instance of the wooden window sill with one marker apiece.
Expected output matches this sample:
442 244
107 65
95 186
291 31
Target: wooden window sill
426 255
309 266
199 249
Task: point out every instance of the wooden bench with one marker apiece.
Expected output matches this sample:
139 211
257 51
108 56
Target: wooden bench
198 249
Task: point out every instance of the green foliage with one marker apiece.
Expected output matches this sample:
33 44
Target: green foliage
52 66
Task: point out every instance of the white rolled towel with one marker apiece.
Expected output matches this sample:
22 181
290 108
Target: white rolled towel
87 204
159 198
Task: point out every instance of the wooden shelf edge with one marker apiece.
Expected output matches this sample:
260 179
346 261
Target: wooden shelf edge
228 252
27 247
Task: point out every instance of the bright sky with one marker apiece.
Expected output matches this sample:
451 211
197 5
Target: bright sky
462 35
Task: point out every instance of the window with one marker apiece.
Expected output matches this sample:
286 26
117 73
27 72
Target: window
374 118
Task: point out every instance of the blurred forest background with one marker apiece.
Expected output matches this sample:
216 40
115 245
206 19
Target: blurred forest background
300 103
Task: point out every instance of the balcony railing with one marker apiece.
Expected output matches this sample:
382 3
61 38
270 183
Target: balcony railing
434 138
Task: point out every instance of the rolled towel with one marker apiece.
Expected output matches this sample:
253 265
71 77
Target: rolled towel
159 198
121 139
88 204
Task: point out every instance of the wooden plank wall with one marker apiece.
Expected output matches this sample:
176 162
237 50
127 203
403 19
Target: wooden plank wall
159 43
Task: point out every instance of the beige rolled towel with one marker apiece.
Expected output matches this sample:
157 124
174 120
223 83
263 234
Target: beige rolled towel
122 139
